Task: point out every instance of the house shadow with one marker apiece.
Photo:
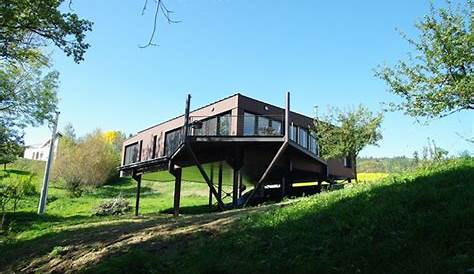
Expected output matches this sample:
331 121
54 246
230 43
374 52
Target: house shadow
192 210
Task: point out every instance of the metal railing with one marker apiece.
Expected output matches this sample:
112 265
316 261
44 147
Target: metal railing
253 125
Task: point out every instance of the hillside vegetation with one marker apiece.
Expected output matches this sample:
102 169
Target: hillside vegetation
419 222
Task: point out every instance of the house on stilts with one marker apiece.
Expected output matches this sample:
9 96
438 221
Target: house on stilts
272 148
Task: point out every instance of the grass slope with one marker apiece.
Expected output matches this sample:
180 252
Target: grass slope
63 210
419 223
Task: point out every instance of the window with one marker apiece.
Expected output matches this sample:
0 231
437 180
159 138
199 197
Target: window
263 126
173 140
303 137
294 133
153 154
224 125
219 125
313 144
131 154
210 127
249 124
276 125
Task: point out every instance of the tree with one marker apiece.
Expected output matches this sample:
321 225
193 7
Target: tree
160 8
345 133
27 93
13 189
10 145
88 162
27 98
439 79
26 25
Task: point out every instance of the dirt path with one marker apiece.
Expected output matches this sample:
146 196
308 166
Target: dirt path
83 247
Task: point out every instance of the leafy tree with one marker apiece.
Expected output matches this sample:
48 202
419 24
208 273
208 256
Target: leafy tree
439 79
345 133
27 98
10 145
115 138
88 162
69 132
27 93
13 189
26 25
416 158
433 153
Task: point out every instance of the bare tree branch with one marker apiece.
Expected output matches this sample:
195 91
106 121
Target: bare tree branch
167 13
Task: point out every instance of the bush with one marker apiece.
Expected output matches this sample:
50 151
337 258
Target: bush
88 162
13 189
116 206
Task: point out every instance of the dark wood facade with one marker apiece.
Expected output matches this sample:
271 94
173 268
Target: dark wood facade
266 144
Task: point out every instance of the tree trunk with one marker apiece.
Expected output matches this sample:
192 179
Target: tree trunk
4 166
355 168
3 218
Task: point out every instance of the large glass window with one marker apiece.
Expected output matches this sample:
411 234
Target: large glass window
210 127
219 125
131 154
294 133
263 126
313 143
249 124
276 126
303 137
224 125
260 125
172 141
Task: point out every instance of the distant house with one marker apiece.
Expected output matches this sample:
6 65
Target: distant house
40 151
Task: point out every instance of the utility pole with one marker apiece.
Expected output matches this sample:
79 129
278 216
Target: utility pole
44 189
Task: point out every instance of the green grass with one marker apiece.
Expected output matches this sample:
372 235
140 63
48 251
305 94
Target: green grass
192 174
64 210
418 223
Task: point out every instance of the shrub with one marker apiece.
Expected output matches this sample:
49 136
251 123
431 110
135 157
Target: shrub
88 162
116 206
13 189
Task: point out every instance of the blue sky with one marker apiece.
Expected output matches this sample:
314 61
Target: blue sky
324 52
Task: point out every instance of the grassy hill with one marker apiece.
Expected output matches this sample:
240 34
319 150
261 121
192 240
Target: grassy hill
420 222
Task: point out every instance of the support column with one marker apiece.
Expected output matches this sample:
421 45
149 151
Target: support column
283 187
235 186
211 175
219 181
177 191
138 178
240 184
236 163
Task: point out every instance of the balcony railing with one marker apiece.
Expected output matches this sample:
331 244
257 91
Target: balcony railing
253 125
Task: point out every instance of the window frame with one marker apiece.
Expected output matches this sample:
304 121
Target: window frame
305 139
125 154
167 134
256 126
206 122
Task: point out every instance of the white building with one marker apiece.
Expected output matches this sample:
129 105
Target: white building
40 151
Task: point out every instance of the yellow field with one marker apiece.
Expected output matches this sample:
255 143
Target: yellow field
371 177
